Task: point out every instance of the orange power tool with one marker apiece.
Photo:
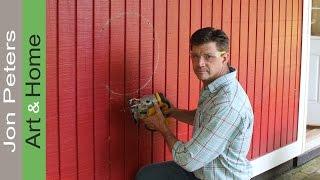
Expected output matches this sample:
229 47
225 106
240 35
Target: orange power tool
144 107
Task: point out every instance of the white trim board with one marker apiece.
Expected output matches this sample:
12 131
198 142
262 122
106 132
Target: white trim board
315 37
275 158
305 57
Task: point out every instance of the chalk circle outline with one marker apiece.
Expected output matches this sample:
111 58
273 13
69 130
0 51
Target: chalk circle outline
155 40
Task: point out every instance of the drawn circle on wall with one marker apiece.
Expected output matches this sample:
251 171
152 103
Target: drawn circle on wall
144 79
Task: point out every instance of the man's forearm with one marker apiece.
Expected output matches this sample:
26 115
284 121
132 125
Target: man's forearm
169 137
185 116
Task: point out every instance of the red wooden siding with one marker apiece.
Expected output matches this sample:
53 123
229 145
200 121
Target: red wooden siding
101 53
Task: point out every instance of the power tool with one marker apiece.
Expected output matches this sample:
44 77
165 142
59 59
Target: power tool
144 107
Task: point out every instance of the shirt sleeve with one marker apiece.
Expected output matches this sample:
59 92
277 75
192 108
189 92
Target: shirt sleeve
209 140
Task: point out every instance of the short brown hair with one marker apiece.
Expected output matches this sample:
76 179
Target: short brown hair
209 34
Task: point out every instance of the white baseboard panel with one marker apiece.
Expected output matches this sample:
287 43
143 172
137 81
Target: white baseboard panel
275 158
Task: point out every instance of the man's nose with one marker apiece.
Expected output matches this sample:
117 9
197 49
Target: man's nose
201 61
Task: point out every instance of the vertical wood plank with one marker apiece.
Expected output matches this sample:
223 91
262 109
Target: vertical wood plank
101 89
132 86
273 78
258 77
117 62
217 14
67 90
279 98
235 31
206 11
160 69
226 24
146 71
251 58
52 98
85 90
226 16
298 70
172 61
195 24
293 67
243 52
286 71
266 77
183 76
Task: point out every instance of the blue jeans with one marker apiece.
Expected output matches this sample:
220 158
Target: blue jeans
166 170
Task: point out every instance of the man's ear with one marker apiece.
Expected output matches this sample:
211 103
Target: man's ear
226 58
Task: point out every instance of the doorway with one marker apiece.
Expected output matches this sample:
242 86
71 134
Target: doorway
313 113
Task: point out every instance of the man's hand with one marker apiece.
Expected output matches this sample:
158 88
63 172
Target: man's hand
157 121
166 111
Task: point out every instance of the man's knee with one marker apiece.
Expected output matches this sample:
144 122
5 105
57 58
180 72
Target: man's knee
144 173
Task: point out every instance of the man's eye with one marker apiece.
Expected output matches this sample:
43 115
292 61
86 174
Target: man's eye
206 56
194 56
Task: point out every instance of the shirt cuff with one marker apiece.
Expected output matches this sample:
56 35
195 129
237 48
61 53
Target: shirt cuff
175 149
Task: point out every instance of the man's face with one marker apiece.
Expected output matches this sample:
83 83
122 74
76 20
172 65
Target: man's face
208 62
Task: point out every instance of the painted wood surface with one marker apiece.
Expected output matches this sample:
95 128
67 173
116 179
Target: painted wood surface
101 53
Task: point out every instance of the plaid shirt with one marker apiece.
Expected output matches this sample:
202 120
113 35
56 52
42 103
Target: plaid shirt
222 133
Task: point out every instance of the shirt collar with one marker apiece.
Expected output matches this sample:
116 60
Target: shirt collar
223 80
